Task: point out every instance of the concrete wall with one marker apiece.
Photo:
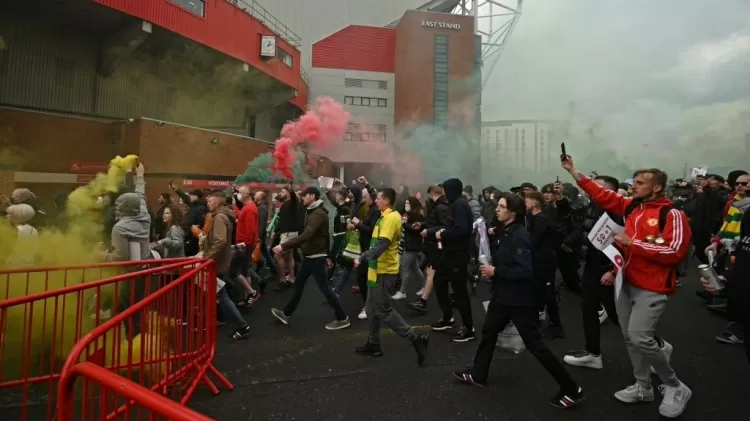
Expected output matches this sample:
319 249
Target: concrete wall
374 85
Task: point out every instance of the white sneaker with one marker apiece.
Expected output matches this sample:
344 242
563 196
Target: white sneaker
635 393
666 349
398 296
675 400
584 360
362 315
542 315
602 315
420 292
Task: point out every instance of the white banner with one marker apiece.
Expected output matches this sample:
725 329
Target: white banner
698 172
602 235
616 258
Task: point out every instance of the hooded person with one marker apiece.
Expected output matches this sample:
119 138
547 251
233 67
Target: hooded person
26 197
130 237
455 239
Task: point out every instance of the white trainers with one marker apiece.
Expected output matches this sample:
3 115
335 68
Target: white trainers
584 360
542 315
635 393
420 292
398 296
666 349
362 315
675 400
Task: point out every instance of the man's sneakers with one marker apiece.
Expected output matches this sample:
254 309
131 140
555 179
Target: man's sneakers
730 338
420 346
584 359
673 403
279 314
467 376
338 324
369 349
464 334
567 400
602 315
675 400
635 393
442 325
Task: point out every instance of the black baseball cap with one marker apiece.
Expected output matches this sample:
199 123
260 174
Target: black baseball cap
313 191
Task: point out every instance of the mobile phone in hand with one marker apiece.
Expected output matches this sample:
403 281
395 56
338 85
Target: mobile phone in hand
564 153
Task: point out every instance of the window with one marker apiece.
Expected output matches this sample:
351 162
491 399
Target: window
196 7
441 80
541 134
497 140
516 138
365 101
523 134
285 57
366 133
365 83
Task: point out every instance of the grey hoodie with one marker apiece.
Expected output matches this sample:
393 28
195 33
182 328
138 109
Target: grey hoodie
131 232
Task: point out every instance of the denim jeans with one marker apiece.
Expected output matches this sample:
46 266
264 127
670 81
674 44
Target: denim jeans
344 275
317 267
409 267
229 310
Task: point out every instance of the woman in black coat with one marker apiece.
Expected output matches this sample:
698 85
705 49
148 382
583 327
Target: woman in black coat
515 299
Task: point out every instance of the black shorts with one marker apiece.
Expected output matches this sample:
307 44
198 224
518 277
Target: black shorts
240 264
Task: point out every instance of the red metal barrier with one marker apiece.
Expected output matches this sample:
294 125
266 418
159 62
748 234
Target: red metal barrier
116 391
150 325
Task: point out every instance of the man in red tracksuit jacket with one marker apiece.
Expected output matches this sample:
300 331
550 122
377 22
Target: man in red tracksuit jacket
651 253
246 232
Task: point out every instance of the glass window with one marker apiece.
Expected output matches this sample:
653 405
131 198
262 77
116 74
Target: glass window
541 134
348 100
347 136
516 138
365 137
357 137
357 100
197 7
382 102
366 102
523 134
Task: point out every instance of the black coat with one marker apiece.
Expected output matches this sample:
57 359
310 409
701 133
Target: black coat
513 282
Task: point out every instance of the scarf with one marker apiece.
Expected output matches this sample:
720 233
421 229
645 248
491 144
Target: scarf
372 265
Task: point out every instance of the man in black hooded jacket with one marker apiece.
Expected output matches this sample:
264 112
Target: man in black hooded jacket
455 240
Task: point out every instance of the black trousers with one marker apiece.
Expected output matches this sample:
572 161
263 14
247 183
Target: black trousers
544 275
568 264
451 271
742 313
594 293
526 320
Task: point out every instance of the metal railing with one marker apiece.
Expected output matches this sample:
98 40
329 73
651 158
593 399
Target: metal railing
258 12
304 75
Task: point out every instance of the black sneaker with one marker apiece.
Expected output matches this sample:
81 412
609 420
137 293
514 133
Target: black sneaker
466 376
729 338
464 334
282 286
418 306
565 400
238 334
443 325
370 349
420 345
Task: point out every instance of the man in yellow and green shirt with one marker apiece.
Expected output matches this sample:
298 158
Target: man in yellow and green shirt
383 267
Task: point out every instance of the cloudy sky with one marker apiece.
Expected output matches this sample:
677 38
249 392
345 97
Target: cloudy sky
664 70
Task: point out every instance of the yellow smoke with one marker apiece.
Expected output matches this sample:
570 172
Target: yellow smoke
54 325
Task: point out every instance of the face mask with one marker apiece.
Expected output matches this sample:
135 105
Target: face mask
407 207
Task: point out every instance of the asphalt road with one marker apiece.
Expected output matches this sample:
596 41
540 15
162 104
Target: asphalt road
304 372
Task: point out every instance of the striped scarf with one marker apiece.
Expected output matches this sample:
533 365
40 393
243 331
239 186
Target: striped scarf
730 230
403 235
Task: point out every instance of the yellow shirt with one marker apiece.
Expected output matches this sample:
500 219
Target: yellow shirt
390 229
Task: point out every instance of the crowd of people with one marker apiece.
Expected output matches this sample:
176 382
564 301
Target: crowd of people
387 240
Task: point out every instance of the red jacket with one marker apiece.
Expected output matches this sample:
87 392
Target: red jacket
647 266
247 225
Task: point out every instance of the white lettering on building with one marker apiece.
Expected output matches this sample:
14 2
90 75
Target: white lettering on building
441 25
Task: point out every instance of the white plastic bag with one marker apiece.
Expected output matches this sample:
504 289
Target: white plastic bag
510 341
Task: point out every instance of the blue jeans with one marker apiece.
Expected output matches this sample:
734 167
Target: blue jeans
229 310
317 267
344 275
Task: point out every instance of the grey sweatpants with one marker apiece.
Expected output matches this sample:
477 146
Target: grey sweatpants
639 312
379 309
409 267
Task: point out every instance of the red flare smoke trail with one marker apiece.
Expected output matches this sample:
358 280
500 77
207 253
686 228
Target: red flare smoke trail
322 127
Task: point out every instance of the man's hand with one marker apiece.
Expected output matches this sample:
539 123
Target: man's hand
356 262
350 227
277 249
439 233
710 288
713 247
330 263
557 188
355 221
172 186
140 170
423 233
362 180
608 279
567 164
564 247
623 239
487 271
491 231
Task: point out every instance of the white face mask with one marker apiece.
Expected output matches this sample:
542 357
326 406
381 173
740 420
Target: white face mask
407 207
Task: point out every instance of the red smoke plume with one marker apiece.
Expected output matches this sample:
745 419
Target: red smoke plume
321 127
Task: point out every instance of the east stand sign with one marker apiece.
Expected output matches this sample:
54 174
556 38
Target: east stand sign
441 25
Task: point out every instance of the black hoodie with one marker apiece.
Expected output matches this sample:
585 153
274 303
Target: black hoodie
457 234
